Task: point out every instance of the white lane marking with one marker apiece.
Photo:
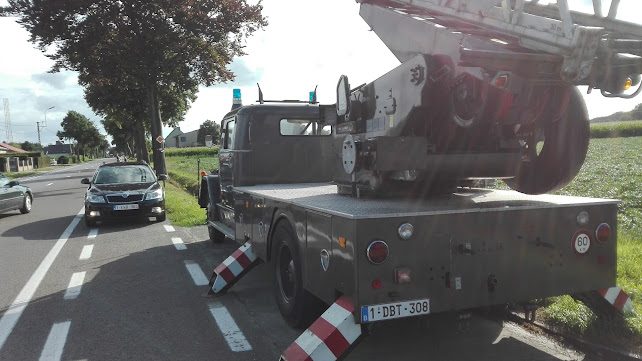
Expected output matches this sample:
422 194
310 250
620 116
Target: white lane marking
48 184
92 233
169 228
196 272
68 176
75 285
55 342
86 251
13 313
229 329
178 243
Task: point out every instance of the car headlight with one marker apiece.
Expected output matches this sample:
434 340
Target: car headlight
95 198
155 194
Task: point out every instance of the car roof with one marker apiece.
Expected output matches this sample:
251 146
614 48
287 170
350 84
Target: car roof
120 164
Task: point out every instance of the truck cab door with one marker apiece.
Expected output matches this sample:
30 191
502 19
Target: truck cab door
226 159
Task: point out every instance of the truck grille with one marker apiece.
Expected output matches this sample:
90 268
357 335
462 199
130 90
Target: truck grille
119 198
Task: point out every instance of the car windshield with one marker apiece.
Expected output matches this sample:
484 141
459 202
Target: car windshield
124 174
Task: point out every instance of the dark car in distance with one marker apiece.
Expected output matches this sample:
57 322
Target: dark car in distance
124 190
14 196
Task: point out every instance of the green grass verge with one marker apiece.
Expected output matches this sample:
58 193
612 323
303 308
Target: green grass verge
182 208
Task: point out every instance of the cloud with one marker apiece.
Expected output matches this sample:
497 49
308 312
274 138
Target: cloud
57 81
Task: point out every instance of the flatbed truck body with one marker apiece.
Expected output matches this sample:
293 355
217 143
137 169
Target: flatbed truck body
467 249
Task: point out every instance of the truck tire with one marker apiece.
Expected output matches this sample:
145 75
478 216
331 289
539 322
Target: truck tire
291 298
563 152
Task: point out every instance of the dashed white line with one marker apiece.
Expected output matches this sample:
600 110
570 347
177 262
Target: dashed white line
169 228
55 342
48 184
196 272
92 233
75 285
178 243
13 313
86 251
231 332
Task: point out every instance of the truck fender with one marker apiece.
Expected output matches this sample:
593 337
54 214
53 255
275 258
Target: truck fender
279 216
210 191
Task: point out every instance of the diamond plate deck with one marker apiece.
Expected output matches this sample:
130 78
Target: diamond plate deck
324 198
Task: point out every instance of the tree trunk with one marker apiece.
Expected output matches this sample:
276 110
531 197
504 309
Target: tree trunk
157 131
140 142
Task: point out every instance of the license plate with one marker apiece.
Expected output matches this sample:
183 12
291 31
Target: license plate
124 207
389 311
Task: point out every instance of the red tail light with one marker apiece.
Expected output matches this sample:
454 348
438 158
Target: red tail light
377 252
603 232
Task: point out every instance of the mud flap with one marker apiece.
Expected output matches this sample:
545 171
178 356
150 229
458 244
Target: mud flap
329 337
232 269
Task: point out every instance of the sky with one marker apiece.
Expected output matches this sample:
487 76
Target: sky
306 44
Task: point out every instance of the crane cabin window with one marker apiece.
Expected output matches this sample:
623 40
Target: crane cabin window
295 127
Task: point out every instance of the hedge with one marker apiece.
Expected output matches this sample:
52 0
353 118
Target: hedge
615 130
189 152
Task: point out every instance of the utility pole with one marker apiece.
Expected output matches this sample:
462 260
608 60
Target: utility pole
44 124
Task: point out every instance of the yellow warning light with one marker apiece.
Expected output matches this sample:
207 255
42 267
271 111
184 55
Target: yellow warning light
247 204
342 242
628 84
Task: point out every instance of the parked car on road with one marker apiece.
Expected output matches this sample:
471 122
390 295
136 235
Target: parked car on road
14 196
124 190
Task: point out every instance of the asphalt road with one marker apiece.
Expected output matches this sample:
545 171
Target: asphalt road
137 291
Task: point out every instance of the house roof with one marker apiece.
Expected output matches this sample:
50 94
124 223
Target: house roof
175 132
9 148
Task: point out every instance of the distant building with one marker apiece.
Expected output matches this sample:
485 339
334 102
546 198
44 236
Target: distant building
59 149
6 148
178 139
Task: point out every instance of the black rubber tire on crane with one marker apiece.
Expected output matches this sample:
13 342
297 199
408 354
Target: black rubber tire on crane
563 152
292 299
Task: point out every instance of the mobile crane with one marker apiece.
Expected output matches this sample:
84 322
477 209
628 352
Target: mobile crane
357 203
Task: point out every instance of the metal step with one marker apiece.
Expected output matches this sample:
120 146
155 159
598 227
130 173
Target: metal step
227 231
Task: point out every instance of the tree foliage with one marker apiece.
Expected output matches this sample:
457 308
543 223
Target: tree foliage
138 59
79 128
208 128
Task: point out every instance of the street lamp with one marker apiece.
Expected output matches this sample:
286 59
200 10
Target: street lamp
44 124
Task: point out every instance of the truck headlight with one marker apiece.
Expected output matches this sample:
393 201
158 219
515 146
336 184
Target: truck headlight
156 194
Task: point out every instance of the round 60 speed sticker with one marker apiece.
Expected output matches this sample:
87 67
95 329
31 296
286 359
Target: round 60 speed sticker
581 242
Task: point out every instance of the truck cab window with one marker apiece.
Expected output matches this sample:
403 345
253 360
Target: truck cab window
303 127
228 134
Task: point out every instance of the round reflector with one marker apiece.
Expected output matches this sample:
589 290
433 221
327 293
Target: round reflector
377 252
603 232
405 231
376 284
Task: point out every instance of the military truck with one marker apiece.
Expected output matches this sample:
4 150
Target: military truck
369 202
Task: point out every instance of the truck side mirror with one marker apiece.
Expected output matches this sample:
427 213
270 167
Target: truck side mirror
343 96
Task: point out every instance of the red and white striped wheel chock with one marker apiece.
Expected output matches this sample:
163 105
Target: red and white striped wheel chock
328 337
232 269
618 298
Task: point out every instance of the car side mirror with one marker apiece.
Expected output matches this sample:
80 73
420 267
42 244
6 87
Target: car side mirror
162 177
13 183
84 181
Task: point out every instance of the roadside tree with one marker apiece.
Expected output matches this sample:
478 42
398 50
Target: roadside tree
208 128
142 47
